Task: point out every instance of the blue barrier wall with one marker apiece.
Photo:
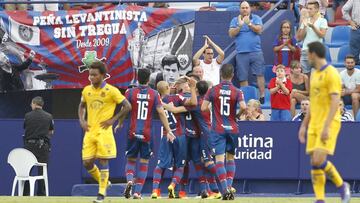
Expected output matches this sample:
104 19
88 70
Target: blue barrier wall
267 150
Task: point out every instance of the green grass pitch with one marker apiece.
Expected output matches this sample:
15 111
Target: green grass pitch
7 199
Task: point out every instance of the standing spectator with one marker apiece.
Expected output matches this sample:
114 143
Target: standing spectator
312 29
13 7
353 7
48 6
304 109
300 83
253 111
280 89
210 65
323 4
39 127
351 84
246 28
345 115
285 45
198 71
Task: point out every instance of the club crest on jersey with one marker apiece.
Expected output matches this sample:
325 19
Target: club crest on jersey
102 94
89 58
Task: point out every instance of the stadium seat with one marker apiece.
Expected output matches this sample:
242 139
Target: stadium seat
344 50
269 74
250 92
267 104
22 160
328 55
340 36
338 18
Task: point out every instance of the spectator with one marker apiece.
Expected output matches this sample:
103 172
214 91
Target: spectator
312 29
48 6
253 112
345 115
246 28
198 71
351 84
305 103
323 4
353 7
210 65
300 83
280 89
285 45
13 7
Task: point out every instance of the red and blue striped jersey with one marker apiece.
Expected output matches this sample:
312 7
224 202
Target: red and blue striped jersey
192 128
225 98
144 102
176 121
201 118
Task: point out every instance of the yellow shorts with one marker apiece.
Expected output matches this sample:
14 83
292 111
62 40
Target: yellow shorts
99 145
314 140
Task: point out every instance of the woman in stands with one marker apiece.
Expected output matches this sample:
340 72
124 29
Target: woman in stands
285 45
253 112
300 83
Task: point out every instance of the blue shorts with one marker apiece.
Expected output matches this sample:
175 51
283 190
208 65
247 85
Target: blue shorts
280 115
347 100
165 156
172 154
194 150
205 148
249 62
306 67
136 147
224 142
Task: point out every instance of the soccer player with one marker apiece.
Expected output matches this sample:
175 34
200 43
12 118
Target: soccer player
225 98
99 100
144 102
322 123
175 154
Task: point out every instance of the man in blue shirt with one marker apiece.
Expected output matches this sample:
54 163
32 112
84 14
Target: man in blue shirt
246 28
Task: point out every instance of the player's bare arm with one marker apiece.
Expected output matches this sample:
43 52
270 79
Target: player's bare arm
81 113
303 127
205 106
174 109
193 100
334 106
125 109
170 136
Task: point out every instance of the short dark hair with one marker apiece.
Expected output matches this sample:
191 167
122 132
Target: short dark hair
202 87
192 75
227 71
318 48
99 66
169 60
38 101
143 76
350 56
314 3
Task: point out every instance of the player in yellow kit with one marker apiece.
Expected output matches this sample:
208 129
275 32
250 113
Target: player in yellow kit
99 100
323 123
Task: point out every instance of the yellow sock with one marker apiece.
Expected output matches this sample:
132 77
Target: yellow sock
95 173
318 180
104 178
333 174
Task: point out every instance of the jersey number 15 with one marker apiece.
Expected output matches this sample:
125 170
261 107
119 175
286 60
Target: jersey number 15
224 105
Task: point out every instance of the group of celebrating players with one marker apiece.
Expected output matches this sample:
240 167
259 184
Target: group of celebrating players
199 125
